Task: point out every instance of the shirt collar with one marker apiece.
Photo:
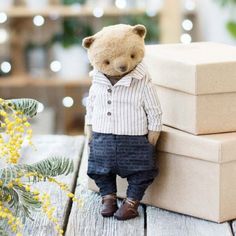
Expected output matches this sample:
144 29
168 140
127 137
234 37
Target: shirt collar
137 73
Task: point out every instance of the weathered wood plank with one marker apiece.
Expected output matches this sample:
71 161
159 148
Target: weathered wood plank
165 223
82 176
57 146
87 221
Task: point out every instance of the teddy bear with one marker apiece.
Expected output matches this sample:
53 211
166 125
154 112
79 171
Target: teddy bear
123 117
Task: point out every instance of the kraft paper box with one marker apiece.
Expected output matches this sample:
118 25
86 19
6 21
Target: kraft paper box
196 84
197 175
202 114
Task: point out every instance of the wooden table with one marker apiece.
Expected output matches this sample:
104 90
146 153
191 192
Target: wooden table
87 221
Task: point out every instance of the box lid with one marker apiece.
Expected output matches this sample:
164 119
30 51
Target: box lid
196 68
218 148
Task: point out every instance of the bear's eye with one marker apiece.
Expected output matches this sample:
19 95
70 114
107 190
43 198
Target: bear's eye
106 62
132 56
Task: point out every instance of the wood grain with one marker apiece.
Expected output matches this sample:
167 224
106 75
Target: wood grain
87 221
53 146
69 11
26 80
82 177
165 223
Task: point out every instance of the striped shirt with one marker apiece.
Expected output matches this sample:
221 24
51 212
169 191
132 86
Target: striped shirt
130 107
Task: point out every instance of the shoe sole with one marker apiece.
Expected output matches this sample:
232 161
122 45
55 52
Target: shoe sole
108 214
122 219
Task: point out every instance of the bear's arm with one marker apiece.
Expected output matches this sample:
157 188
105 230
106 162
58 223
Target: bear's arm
89 106
152 107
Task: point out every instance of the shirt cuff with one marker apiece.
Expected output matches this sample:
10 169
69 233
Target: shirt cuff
155 127
88 120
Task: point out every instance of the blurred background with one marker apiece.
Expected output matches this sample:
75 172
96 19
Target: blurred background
41 55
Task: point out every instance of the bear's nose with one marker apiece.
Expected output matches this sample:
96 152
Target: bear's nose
123 68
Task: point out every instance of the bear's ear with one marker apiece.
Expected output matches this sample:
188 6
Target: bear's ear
140 30
88 41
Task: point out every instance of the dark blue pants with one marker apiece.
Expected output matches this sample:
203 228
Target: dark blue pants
131 157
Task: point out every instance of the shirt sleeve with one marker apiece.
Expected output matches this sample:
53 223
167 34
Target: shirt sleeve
152 107
89 106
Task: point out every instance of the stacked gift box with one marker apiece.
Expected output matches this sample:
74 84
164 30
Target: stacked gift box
196 84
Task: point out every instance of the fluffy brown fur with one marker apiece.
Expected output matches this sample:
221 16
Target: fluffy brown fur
116 49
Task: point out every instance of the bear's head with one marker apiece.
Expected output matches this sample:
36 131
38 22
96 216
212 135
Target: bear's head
116 49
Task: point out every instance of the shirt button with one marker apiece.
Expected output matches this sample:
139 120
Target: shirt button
109 90
109 101
109 113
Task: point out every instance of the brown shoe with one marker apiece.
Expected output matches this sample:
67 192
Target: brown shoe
109 205
127 210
